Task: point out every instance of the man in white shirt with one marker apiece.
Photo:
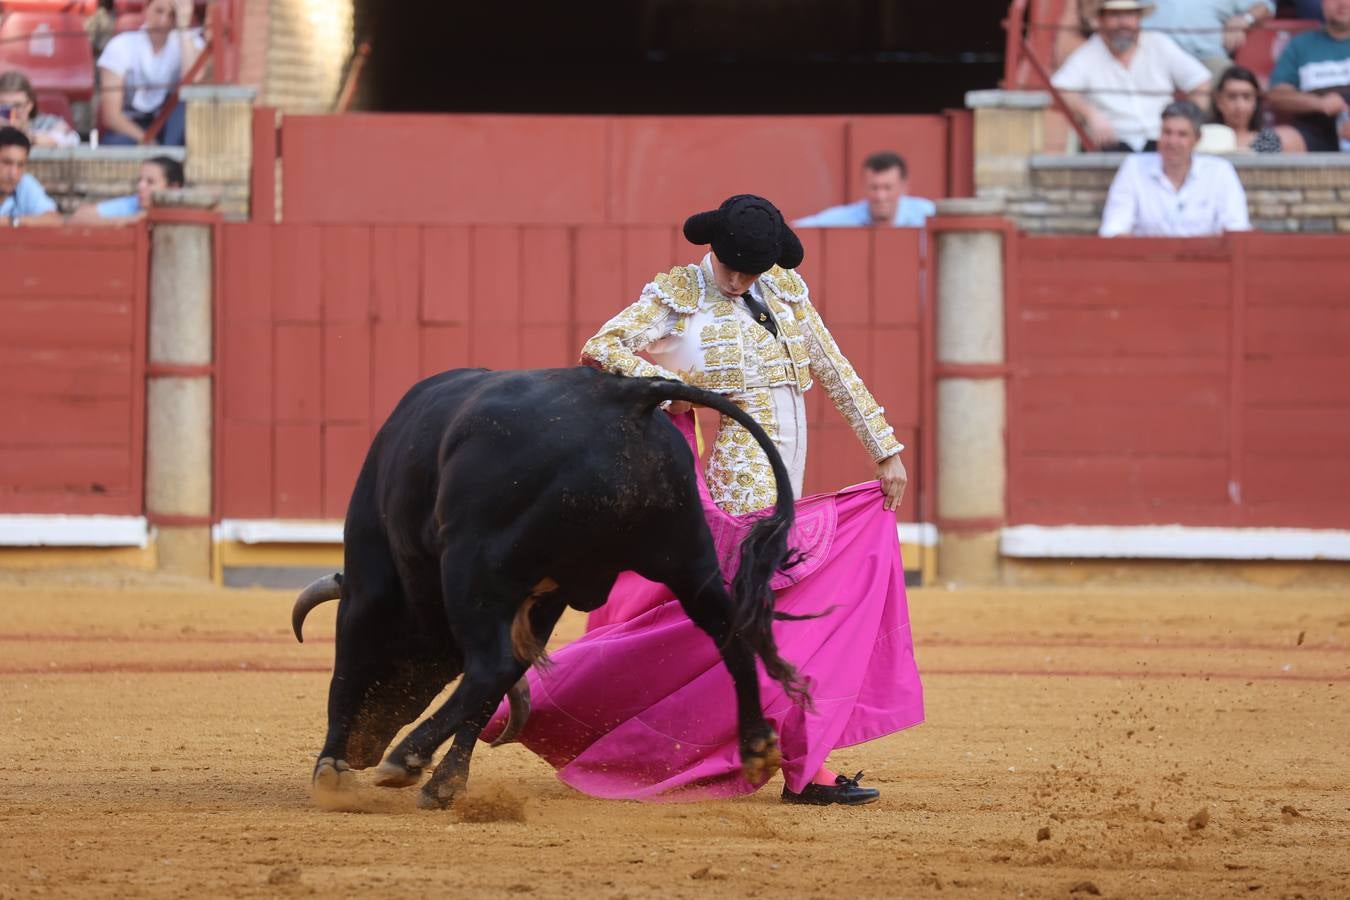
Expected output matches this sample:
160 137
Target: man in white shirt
1119 81
138 69
1174 192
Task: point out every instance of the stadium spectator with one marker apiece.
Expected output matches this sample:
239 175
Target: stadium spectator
1210 30
886 184
1311 81
157 174
138 69
1237 104
19 108
1175 192
1118 82
23 202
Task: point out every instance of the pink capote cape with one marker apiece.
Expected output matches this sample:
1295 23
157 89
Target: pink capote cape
641 707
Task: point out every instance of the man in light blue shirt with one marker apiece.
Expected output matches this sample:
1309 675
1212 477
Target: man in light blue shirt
885 182
22 199
1210 30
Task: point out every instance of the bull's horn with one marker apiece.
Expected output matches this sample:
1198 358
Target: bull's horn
519 699
329 587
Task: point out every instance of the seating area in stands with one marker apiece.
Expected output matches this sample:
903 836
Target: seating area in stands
55 43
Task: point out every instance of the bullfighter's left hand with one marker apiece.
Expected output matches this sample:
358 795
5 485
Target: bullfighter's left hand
891 473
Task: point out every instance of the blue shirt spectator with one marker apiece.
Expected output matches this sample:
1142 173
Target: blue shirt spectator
22 199
1209 30
885 183
119 207
157 174
910 212
27 199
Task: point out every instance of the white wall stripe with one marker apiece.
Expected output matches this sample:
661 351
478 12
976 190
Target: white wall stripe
73 531
1173 542
279 531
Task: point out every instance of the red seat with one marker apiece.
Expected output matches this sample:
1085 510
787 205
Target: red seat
129 21
52 49
57 104
1266 42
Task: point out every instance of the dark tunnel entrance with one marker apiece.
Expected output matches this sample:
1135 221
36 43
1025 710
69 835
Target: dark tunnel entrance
678 56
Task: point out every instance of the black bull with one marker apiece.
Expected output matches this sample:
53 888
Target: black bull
487 504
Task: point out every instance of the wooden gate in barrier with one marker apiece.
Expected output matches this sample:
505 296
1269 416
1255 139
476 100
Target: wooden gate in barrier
323 327
72 371
1197 382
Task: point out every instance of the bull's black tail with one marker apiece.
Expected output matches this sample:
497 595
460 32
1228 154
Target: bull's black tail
764 550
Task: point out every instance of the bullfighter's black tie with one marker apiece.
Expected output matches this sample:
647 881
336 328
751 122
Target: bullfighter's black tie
761 313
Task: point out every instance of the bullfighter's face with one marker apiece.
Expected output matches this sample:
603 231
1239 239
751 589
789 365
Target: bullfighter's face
730 282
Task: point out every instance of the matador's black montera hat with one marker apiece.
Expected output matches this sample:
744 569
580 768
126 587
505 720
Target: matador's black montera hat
747 234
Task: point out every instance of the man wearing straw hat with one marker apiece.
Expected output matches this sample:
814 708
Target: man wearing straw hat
1118 83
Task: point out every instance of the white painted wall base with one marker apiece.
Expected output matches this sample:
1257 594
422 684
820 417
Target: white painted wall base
278 531
924 534
1173 542
74 531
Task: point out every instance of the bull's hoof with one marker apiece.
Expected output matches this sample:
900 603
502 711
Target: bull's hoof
431 799
392 775
332 777
760 758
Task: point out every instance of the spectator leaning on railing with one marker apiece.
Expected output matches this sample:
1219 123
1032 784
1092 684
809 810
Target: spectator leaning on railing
1120 80
1175 192
1311 81
19 108
887 201
23 202
138 69
157 174
1210 30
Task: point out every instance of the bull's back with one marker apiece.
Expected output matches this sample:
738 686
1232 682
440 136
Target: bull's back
495 445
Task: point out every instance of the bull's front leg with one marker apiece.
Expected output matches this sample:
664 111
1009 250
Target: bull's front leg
708 605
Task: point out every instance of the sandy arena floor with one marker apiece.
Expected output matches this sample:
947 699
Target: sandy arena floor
157 742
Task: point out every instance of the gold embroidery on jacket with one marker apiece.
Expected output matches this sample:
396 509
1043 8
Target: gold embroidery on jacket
854 401
740 479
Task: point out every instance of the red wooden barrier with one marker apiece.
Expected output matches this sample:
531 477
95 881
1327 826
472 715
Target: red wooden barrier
1200 382
72 370
323 328
592 170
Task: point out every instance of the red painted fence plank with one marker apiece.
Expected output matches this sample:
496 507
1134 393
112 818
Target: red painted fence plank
399 303
72 389
1130 408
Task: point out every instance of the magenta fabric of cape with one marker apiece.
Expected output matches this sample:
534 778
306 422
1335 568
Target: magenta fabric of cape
641 706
